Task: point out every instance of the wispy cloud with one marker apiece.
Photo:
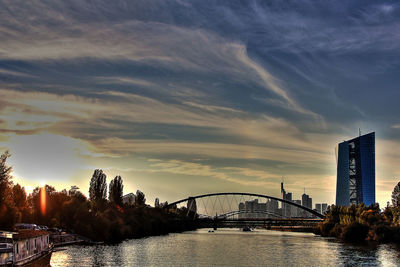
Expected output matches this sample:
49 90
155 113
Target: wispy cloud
242 92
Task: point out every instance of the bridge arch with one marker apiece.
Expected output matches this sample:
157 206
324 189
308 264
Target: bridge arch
238 212
317 214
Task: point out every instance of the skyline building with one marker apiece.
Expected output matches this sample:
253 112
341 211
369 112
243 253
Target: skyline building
296 212
306 201
254 209
286 208
355 182
321 207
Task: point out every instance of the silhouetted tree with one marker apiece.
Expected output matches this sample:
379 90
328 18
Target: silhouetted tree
396 195
8 212
20 203
19 195
116 189
98 187
140 198
72 191
34 200
5 177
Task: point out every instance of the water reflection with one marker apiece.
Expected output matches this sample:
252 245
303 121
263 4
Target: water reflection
229 247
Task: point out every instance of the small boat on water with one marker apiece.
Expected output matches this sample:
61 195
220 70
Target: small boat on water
25 248
246 229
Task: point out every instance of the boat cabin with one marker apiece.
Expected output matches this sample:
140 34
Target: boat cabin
6 248
24 246
29 244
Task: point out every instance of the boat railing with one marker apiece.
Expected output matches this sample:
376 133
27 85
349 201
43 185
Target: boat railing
6 250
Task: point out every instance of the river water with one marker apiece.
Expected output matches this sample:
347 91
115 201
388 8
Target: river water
229 247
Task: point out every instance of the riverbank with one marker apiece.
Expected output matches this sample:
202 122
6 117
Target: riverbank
359 223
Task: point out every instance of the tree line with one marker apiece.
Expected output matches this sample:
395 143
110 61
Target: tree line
97 217
359 223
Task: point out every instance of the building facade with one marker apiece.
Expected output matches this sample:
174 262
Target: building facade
355 182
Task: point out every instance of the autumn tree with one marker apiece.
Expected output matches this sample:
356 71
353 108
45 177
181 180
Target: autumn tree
116 190
5 177
35 203
20 202
98 188
8 213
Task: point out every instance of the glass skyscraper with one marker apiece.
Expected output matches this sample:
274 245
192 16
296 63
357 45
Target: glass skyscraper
356 171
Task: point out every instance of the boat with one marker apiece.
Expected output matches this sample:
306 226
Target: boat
246 229
25 247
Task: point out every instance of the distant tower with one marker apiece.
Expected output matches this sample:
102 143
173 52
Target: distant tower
355 182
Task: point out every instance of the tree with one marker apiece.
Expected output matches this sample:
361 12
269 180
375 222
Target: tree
140 198
20 203
5 177
116 189
34 199
19 196
396 195
98 187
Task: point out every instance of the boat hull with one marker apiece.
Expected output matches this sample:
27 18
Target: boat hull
42 261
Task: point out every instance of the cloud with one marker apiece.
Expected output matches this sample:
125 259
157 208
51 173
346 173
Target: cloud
271 87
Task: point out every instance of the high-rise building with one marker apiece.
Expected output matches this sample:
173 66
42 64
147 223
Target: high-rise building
296 212
318 208
324 207
356 171
306 201
286 208
272 206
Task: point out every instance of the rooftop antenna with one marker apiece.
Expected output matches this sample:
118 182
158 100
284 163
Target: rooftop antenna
359 132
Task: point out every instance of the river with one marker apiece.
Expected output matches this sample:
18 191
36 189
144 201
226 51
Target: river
229 247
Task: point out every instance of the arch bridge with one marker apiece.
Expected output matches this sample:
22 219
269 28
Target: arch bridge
241 206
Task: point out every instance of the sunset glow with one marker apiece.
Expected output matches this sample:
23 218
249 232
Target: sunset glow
43 200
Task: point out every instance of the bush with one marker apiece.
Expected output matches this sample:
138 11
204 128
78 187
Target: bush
354 232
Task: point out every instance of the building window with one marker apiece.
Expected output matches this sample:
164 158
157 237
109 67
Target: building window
17 248
27 245
35 243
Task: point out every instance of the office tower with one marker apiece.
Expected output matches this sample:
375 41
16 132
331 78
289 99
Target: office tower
318 208
306 201
272 206
296 212
324 208
356 171
286 208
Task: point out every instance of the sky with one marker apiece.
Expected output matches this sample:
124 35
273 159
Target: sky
187 97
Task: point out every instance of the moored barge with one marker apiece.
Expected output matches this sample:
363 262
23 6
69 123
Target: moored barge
25 248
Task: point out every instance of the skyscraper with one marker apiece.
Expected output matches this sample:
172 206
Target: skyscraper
356 171
286 208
